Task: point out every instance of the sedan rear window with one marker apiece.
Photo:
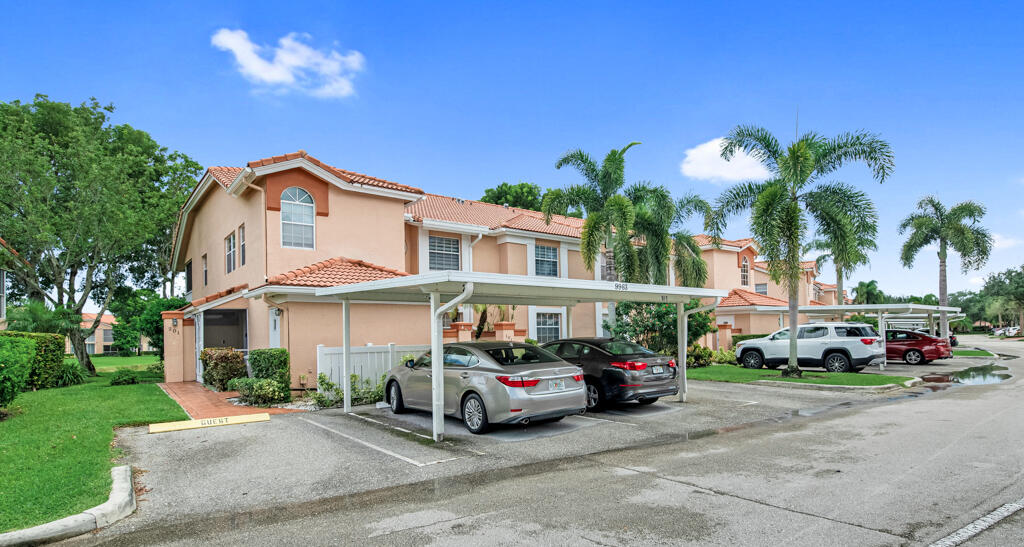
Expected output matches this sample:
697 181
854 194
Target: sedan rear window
855 331
521 355
623 347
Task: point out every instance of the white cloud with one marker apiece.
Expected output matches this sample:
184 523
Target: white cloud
292 65
978 281
705 162
1000 241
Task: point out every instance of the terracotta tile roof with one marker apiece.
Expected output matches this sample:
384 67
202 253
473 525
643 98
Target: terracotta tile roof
88 318
489 215
224 175
817 303
335 271
740 297
704 240
221 294
826 286
348 176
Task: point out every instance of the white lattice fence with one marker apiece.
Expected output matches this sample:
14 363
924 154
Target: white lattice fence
368 362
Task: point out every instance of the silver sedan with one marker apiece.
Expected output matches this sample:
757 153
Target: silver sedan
492 382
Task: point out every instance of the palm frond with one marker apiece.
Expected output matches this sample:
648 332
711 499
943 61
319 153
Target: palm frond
558 201
966 210
732 201
756 141
857 146
592 236
583 163
689 266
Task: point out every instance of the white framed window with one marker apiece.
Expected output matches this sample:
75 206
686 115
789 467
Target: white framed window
206 277
444 253
298 217
745 272
549 327
546 259
229 253
761 288
241 245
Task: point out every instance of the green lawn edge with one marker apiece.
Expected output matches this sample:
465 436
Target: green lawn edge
972 353
735 374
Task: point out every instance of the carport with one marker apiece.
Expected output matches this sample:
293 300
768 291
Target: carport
445 290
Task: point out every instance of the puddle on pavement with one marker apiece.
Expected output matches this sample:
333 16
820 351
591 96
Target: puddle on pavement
974 376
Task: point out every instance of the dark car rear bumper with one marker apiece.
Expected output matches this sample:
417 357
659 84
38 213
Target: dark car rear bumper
543 416
623 393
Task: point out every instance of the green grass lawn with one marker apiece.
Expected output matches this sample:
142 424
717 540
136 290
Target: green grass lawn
112 363
55 447
730 373
971 353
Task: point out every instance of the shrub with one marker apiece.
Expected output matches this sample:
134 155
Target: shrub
221 365
271 364
48 360
70 373
259 391
124 377
724 356
15 366
737 338
156 368
363 392
530 341
698 356
654 325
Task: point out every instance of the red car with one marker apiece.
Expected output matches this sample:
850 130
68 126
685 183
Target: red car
914 347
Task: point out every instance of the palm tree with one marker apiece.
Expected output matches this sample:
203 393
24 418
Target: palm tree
957 227
866 292
609 214
655 216
847 249
781 205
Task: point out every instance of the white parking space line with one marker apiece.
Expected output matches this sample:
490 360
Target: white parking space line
395 427
378 448
748 403
601 420
980 525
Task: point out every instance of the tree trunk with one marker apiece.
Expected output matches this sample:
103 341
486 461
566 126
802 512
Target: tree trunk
480 324
793 368
943 297
77 338
839 293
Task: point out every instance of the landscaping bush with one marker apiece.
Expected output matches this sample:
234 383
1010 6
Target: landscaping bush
363 392
698 356
70 373
156 368
124 377
15 366
48 360
221 365
271 364
724 356
260 391
737 338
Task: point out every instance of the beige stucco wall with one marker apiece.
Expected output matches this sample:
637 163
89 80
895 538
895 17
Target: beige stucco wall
485 255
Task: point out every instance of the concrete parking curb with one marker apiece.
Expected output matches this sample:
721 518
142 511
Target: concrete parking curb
827 387
120 504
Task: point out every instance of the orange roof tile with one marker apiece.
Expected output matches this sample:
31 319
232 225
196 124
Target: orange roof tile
224 175
489 215
335 271
741 297
826 286
221 294
817 303
348 176
88 318
704 240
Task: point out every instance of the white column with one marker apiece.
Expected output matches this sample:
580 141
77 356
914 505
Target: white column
682 334
346 357
423 262
568 321
881 328
436 368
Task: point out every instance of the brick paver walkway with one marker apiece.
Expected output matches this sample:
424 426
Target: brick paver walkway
200 402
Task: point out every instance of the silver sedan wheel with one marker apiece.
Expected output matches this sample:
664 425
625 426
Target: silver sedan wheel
473 413
394 396
593 396
913 357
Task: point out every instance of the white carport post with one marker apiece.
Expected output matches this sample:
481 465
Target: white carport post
437 355
568 321
881 327
346 356
682 337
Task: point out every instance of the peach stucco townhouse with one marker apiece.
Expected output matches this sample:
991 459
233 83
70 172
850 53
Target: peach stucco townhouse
255 242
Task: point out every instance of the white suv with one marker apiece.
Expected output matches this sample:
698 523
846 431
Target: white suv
836 347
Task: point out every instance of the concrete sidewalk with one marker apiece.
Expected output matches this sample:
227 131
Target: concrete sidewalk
199 402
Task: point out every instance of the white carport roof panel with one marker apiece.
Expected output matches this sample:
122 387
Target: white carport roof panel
493 288
876 308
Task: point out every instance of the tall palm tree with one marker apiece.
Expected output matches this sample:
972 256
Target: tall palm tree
957 227
866 292
847 249
609 214
656 214
780 206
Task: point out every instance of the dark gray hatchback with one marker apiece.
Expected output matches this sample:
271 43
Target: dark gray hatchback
618 370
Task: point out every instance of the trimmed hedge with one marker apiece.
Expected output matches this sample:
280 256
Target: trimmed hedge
698 356
260 391
220 365
124 377
737 338
15 366
48 362
271 364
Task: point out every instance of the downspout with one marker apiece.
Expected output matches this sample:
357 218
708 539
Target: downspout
683 331
437 355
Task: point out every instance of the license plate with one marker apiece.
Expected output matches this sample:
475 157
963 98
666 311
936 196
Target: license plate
657 369
556 385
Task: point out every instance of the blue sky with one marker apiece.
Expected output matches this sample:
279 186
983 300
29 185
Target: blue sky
457 97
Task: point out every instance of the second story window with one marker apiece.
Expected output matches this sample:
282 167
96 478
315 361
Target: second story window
745 272
444 253
188 276
241 245
761 288
546 260
229 253
206 277
297 219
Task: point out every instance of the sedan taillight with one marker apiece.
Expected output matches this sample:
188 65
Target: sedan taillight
578 377
867 341
517 381
672 363
630 365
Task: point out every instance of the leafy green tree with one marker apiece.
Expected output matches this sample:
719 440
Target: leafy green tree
525 195
609 214
1009 285
36 316
847 248
126 337
780 206
77 199
151 324
957 227
867 292
654 325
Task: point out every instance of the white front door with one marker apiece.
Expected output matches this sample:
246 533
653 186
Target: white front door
275 328
200 327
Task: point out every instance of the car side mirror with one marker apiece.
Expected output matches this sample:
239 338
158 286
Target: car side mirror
409 363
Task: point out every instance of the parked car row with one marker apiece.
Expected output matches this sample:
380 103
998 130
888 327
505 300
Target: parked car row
1006 331
489 383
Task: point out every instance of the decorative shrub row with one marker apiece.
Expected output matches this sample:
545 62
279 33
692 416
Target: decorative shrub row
271 364
220 365
260 391
47 365
364 391
698 356
124 377
15 366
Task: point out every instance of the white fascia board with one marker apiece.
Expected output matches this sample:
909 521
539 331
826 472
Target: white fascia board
215 303
241 182
277 289
722 248
456 227
511 232
329 177
505 238
884 308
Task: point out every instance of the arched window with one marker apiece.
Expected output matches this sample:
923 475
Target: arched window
297 219
745 272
